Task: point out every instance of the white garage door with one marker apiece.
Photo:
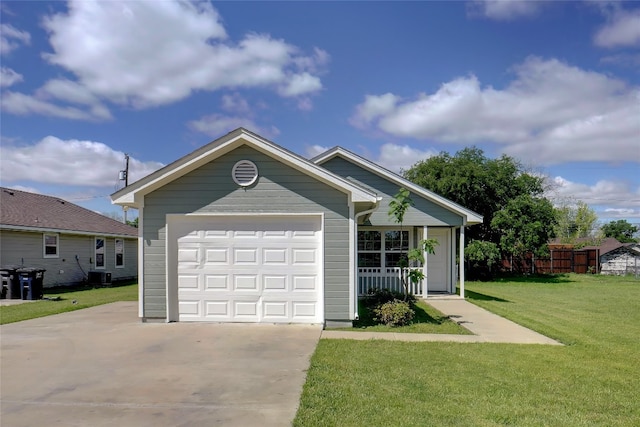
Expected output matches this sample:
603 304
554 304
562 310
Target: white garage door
250 269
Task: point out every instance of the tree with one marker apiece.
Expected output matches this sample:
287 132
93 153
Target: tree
133 223
490 187
478 183
526 223
481 256
398 206
574 222
621 230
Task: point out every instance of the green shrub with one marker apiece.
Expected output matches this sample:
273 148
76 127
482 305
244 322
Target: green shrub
376 297
394 313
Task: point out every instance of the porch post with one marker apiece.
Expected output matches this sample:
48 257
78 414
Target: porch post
425 282
462 261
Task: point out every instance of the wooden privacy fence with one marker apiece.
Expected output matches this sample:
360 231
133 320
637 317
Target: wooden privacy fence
559 261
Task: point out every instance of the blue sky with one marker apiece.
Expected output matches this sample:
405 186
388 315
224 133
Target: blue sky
553 84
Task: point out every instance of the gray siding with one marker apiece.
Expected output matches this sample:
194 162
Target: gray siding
25 248
423 213
279 189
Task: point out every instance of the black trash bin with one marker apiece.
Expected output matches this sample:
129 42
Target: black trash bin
31 282
10 282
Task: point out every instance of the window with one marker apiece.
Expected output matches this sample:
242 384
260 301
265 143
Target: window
381 248
99 252
119 253
50 243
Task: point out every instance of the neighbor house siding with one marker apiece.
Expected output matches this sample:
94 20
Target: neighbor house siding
279 189
423 213
620 261
25 248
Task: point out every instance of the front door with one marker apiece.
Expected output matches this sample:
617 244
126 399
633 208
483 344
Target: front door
439 263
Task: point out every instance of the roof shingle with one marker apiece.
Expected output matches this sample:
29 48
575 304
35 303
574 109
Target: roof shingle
23 209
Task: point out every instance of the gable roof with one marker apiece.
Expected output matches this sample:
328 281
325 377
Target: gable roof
607 245
20 210
132 195
470 217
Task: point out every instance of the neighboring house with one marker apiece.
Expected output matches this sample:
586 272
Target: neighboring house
618 258
70 242
243 230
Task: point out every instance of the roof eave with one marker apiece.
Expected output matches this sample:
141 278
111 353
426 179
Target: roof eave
132 195
469 217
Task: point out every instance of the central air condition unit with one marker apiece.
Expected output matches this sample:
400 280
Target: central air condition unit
99 278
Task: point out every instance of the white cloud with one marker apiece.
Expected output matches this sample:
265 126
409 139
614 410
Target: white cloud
315 150
373 107
152 53
397 158
609 198
504 10
235 103
70 162
623 29
9 77
550 113
21 104
11 38
215 125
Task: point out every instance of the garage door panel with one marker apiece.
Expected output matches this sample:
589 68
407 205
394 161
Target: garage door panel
249 269
304 256
188 281
217 256
271 256
245 256
304 283
274 283
218 310
216 282
190 308
188 256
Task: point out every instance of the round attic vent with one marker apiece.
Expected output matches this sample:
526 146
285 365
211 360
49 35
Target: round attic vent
244 173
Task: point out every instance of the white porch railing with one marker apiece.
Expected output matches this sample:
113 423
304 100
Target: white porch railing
383 278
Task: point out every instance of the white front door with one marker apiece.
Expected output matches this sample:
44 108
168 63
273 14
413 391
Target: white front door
439 263
249 268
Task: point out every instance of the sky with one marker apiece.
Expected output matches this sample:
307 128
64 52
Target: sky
555 85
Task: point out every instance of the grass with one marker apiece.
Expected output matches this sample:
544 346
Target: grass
60 300
592 381
427 320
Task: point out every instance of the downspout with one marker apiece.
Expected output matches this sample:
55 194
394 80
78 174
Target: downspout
375 207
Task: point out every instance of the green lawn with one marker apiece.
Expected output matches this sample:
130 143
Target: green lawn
427 320
61 300
593 381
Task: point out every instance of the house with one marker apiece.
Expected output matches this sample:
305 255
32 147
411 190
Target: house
617 258
72 243
243 230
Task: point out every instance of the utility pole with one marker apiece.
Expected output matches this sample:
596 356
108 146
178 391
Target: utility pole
124 176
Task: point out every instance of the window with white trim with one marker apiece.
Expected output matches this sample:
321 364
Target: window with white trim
381 248
50 243
119 253
99 252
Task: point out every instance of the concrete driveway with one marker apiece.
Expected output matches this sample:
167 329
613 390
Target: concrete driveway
103 367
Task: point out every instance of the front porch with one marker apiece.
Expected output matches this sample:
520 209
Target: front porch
380 249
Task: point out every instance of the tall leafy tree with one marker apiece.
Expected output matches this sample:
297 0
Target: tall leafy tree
517 218
621 230
574 221
526 223
477 182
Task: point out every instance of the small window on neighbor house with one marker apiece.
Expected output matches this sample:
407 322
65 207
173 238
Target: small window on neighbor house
119 253
50 242
99 253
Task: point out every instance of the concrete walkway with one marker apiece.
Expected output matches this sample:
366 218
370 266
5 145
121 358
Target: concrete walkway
486 327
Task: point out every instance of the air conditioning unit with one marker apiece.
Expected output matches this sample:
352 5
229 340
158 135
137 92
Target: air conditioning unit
99 278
